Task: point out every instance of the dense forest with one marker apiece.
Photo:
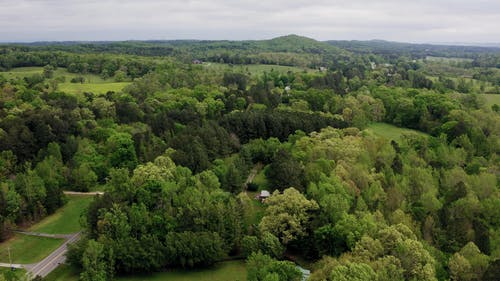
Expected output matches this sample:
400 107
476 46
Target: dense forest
177 148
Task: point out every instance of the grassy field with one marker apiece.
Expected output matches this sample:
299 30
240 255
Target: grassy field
66 219
96 88
491 99
224 271
93 83
255 69
391 132
28 249
21 72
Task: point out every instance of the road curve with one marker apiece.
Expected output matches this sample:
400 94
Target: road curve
53 260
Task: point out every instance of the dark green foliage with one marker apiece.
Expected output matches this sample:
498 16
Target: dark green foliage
180 250
280 124
285 172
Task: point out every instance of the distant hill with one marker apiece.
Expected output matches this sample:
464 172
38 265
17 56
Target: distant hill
396 49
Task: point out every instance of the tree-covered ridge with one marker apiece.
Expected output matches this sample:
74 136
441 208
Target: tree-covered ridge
174 150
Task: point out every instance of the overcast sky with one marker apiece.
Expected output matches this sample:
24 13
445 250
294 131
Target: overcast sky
398 20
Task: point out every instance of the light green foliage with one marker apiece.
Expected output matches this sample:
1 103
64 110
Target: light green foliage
84 178
353 272
121 151
261 267
287 215
468 264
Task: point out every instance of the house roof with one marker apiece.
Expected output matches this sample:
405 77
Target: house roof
265 193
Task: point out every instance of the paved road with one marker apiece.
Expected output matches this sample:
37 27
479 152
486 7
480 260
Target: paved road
52 261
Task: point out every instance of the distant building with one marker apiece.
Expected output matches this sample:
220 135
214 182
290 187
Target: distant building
263 195
197 62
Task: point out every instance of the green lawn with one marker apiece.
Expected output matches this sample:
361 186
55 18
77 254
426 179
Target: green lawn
63 272
391 132
28 249
66 219
96 88
224 271
491 99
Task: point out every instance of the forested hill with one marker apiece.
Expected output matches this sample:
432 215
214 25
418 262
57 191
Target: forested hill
289 43
395 49
291 50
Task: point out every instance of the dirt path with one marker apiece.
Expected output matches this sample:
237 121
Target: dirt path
83 193
255 170
39 234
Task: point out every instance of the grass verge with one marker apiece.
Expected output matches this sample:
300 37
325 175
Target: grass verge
66 220
26 249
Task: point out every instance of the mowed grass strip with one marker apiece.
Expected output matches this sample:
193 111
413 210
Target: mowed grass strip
66 220
26 249
96 88
224 271
63 272
391 132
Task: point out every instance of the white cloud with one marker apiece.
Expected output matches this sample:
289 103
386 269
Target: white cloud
414 21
